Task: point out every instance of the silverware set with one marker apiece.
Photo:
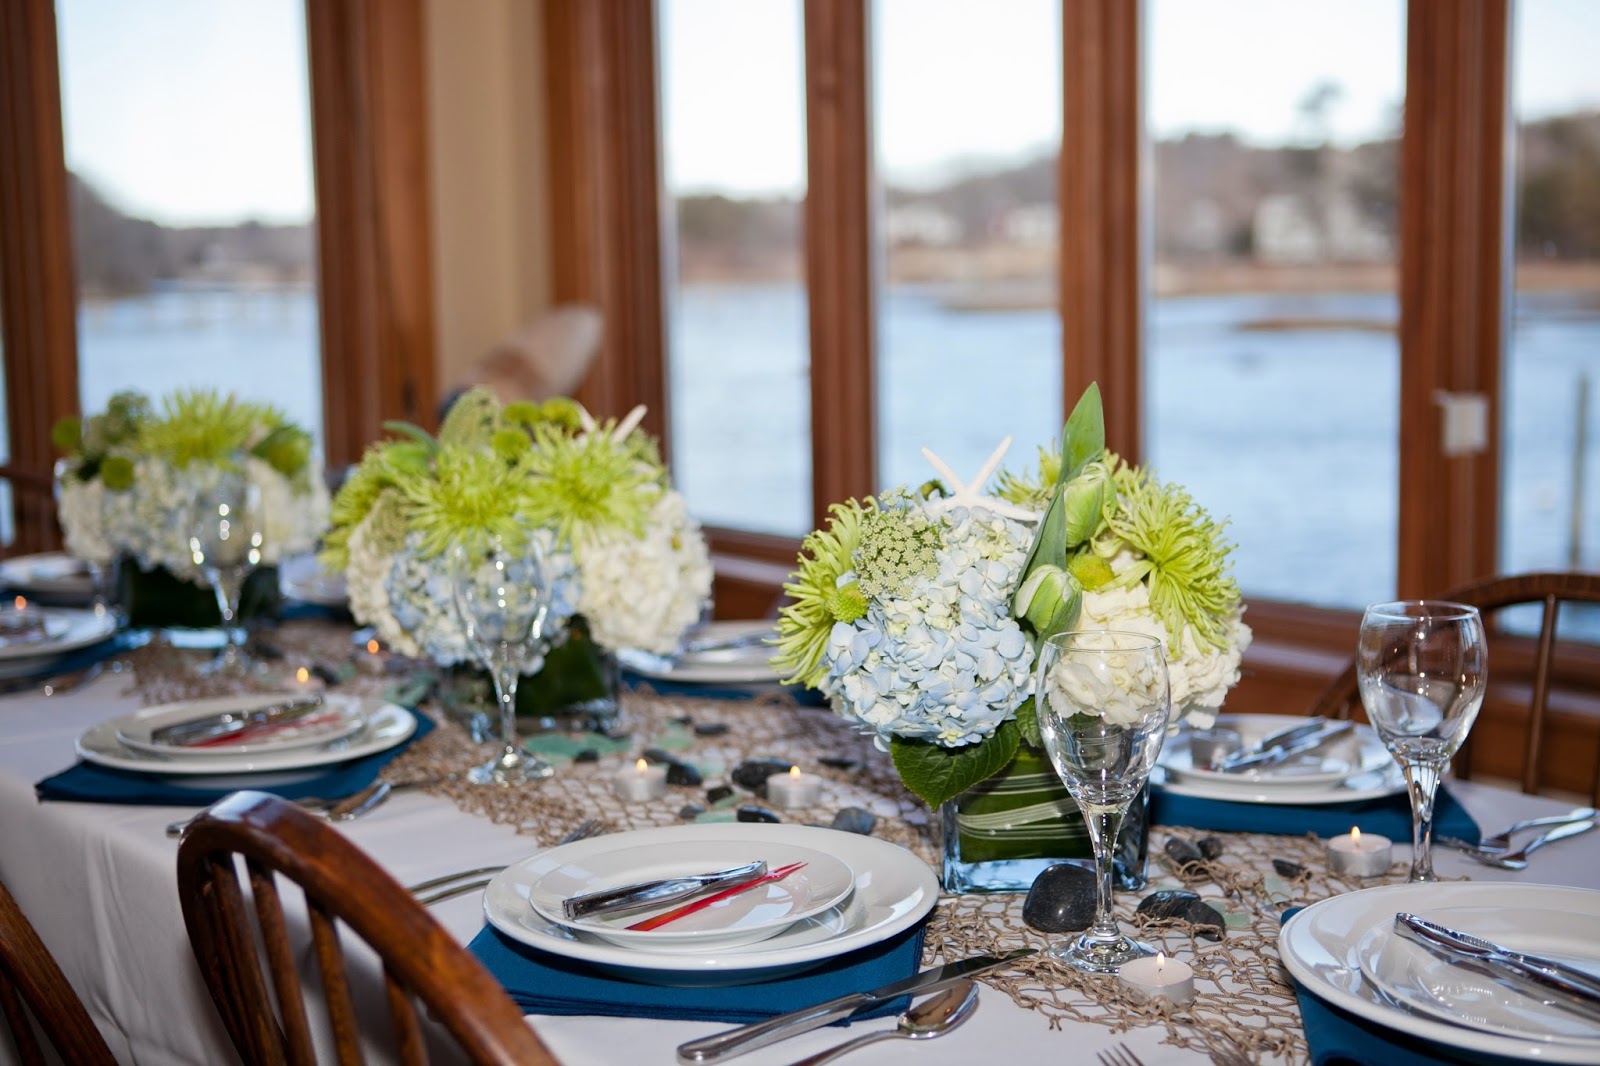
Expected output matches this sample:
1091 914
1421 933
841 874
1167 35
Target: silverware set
338 809
1495 850
448 886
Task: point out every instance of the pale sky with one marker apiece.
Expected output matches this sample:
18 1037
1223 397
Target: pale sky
193 111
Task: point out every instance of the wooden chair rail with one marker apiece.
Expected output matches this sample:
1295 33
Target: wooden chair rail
33 989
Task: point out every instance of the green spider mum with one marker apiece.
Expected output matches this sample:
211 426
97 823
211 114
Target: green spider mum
581 485
471 493
204 426
1185 554
1033 488
816 600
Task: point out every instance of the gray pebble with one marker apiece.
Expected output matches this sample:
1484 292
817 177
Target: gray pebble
1211 847
689 811
1185 906
1183 852
1062 899
751 813
855 820
1288 869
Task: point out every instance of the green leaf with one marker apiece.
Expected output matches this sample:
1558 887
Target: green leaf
1084 438
937 774
1028 723
407 429
1049 541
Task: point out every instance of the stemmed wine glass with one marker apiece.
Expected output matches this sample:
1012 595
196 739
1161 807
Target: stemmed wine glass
1103 701
225 541
1421 666
102 569
502 600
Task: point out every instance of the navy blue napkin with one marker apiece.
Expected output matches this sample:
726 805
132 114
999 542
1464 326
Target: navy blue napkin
542 983
806 697
78 659
1339 1038
86 782
1388 816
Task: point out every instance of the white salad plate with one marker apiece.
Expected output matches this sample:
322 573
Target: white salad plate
1416 978
1322 946
747 663
301 577
1356 767
893 890
386 725
53 574
67 630
337 718
743 917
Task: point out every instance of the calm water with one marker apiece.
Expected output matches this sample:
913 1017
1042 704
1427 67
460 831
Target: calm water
1292 434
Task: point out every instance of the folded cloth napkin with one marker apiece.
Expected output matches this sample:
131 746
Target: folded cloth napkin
87 782
1389 816
806 697
1338 1038
541 983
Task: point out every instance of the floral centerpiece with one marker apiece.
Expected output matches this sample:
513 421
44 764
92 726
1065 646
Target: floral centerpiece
131 471
917 613
621 550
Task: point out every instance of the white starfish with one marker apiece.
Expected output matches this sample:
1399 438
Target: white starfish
970 493
587 422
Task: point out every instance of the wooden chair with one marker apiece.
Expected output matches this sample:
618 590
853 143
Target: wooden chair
34 990
1342 697
261 999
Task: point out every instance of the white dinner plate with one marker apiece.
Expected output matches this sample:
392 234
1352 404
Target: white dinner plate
337 718
387 725
1415 977
1358 752
742 918
56 575
893 891
1321 947
72 630
301 577
747 664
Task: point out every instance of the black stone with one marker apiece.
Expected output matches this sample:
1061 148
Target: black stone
328 675
855 820
1288 869
587 755
657 755
682 719
710 729
1061 900
751 813
681 773
689 811
752 774
1183 852
1211 847
838 762
1186 906
718 793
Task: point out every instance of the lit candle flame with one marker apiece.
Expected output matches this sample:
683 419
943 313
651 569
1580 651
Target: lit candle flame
372 647
1161 961
302 675
641 766
1355 836
794 772
20 602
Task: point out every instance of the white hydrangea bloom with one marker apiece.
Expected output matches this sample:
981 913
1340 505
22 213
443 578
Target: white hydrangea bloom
645 591
78 507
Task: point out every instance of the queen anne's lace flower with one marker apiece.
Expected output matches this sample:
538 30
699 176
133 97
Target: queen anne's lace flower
943 661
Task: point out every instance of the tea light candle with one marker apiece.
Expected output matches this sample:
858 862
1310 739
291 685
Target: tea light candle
1359 854
640 783
794 789
1158 978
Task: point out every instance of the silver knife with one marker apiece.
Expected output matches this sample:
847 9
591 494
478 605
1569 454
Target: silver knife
1547 980
654 893
759 1034
227 723
1285 744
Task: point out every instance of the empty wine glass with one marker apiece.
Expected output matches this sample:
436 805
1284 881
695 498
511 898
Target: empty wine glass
1103 701
225 540
502 600
100 562
1421 666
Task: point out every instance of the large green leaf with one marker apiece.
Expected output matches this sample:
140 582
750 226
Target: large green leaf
1028 723
1084 439
937 774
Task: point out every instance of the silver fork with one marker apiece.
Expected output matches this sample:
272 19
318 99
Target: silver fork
484 874
1502 840
1516 860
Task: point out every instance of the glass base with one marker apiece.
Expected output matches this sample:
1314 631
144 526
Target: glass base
1098 956
509 769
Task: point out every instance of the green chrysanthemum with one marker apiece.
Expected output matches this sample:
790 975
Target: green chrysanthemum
1032 489
470 494
816 601
203 426
586 484
1185 554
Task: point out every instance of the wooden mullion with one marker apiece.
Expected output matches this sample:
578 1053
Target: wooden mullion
1102 224
1452 277
840 278
38 301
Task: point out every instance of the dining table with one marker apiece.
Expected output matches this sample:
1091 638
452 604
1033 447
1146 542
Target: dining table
96 873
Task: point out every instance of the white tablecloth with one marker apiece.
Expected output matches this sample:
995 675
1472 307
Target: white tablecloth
99 882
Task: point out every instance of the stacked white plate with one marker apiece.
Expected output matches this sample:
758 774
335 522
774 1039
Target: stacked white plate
55 577
344 728
1344 951
63 631
1355 767
853 891
719 653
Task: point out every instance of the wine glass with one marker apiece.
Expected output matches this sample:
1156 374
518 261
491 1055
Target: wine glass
101 567
502 600
225 541
1103 701
1421 666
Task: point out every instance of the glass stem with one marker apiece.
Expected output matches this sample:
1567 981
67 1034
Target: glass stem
1104 826
1422 781
504 672
229 589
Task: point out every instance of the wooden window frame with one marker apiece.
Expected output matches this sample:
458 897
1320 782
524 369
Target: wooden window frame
374 237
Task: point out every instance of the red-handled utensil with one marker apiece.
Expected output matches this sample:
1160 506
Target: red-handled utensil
700 904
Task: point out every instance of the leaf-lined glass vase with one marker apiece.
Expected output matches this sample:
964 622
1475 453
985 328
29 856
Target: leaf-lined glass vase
999 835
578 689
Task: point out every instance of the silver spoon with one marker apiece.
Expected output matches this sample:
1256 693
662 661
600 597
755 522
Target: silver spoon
932 1017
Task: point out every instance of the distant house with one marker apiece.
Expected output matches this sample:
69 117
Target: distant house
1031 224
1288 228
922 224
